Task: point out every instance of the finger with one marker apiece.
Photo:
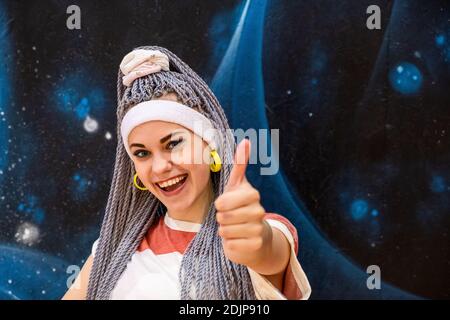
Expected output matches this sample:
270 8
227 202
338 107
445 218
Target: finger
241 231
237 198
241 158
242 245
249 213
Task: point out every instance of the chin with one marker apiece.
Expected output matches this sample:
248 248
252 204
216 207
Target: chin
177 206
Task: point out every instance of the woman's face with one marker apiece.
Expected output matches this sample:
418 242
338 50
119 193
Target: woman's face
164 155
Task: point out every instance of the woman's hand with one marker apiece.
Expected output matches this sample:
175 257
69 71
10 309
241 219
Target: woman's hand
246 236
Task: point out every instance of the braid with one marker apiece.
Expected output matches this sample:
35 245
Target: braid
205 272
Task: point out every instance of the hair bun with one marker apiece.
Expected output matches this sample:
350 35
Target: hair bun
142 62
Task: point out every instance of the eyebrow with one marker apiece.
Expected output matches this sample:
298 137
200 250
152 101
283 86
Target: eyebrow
162 140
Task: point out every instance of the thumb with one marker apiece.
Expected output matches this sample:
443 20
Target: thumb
241 157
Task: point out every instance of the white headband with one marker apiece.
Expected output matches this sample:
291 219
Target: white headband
170 111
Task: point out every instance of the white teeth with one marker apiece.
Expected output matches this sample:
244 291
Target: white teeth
170 182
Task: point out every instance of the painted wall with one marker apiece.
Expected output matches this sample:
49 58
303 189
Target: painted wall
364 120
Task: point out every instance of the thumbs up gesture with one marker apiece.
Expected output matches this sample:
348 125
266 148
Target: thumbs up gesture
245 234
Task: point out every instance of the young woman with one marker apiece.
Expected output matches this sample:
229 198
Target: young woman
176 227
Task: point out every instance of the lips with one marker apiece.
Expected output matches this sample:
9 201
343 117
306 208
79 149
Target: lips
172 186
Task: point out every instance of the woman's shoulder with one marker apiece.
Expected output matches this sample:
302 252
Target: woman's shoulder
278 217
283 224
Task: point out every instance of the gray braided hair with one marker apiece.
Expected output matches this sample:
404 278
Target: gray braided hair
205 272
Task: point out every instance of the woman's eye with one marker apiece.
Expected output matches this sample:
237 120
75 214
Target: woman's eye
173 144
141 153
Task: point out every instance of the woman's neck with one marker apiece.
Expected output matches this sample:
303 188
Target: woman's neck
198 210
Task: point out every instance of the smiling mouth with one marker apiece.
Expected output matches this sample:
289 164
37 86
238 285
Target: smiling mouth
172 184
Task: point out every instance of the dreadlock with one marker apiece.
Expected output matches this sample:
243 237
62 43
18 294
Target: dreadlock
205 272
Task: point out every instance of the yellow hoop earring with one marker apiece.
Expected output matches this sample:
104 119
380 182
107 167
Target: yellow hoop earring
136 185
217 162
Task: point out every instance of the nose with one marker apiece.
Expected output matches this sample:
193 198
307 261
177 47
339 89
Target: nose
161 164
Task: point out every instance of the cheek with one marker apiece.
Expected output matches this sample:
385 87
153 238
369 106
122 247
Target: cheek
142 170
183 156
139 169
195 152
200 176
